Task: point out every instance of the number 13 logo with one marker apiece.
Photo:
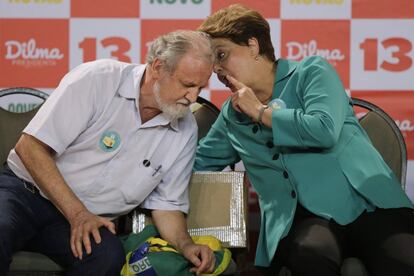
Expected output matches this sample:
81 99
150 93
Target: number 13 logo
89 45
399 47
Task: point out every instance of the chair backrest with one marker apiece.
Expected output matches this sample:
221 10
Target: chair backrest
385 136
205 114
12 123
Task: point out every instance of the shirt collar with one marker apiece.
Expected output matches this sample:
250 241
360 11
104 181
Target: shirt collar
284 68
131 89
172 123
162 120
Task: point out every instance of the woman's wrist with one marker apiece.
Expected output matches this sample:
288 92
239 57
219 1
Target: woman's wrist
262 110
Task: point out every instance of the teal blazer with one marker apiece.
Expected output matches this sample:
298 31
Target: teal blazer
316 153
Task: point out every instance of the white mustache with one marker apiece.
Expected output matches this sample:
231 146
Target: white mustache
184 102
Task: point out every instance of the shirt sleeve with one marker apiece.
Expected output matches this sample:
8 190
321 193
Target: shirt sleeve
215 152
324 103
71 107
172 192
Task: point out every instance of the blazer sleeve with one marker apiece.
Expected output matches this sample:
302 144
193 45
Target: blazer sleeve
319 120
215 150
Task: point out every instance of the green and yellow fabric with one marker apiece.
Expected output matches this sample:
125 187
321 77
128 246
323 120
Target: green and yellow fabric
149 255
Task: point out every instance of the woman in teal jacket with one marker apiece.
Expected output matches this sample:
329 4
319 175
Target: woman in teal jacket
324 191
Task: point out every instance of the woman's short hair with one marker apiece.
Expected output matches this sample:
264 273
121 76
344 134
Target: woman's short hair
238 24
171 47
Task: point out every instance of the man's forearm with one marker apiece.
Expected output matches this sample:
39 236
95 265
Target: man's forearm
38 160
172 227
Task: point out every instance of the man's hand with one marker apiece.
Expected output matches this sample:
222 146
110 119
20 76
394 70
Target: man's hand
173 228
201 256
38 158
82 226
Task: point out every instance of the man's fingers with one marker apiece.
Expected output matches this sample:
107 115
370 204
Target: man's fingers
207 263
203 259
234 82
212 266
195 260
78 246
87 242
96 236
109 225
202 267
81 230
76 243
72 244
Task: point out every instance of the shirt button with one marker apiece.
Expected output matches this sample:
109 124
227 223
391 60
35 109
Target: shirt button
276 156
255 128
269 144
293 194
285 174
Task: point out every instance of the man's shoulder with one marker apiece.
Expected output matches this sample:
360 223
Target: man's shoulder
105 74
103 66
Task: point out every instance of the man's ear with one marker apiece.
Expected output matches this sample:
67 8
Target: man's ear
157 67
254 46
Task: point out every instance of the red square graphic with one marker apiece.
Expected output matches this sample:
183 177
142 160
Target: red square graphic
327 38
267 8
218 97
33 52
383 9
104 8
151 29
399 105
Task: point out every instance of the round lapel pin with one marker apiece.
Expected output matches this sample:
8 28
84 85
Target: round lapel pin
277 104
110 141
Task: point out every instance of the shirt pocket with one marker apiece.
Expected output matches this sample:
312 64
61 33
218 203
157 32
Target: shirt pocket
139 187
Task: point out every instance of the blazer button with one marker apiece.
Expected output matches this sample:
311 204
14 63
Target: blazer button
285 174
255 128
293 194
269 144
276 156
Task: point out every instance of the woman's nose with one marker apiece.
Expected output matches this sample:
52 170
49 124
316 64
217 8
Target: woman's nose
217 68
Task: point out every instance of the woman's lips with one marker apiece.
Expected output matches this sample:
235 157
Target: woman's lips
223 79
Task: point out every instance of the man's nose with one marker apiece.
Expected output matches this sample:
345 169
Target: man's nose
192 94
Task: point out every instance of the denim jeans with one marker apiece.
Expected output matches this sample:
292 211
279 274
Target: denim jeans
30 222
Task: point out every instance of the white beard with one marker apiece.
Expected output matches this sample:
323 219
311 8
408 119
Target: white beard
171 111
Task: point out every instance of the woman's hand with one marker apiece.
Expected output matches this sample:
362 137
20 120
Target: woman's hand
243 98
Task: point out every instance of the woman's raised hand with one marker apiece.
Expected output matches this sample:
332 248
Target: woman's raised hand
243 98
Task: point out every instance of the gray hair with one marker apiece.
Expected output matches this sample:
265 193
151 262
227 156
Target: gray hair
171 47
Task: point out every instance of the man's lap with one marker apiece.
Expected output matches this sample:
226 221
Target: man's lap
32 223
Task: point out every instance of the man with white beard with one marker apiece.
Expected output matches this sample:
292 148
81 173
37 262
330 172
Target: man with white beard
111 137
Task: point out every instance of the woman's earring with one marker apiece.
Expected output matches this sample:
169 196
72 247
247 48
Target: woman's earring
256 58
